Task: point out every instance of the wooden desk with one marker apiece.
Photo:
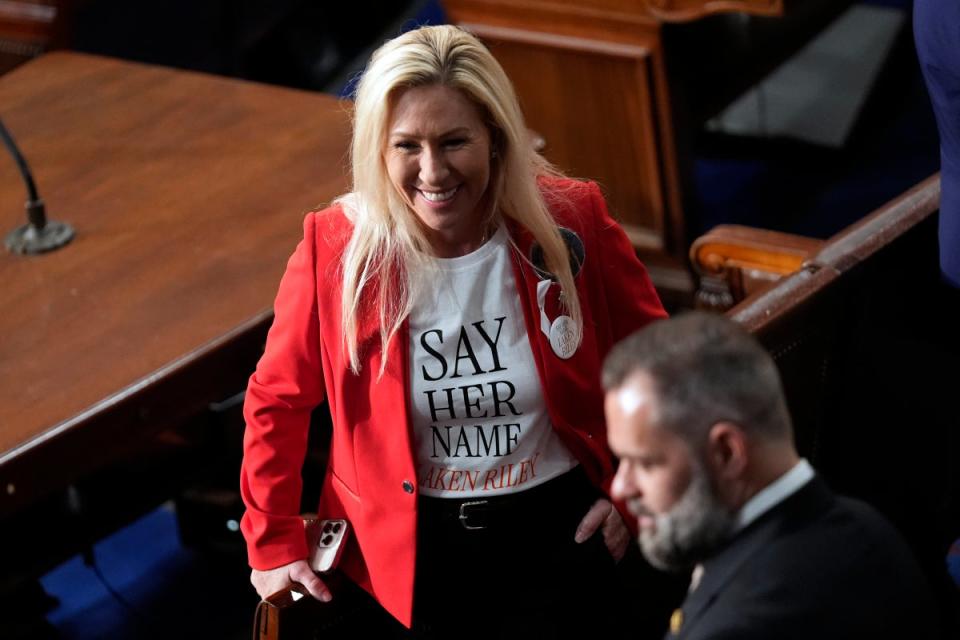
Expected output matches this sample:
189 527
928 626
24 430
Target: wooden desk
186 192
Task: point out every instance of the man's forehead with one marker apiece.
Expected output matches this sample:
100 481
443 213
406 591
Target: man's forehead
629 399
632 415
634 395
630 412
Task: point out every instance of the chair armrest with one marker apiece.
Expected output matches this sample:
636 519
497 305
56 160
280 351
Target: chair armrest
735 261
687 10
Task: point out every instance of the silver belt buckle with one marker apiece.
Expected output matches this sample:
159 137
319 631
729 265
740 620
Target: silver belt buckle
465 516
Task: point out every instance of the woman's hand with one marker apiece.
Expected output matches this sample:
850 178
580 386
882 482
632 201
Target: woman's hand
615 533
269 582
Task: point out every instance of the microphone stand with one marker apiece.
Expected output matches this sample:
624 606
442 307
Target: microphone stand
39 234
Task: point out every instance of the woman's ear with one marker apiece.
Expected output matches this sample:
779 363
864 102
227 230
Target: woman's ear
727 451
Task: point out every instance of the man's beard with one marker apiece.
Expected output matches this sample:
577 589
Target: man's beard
691 531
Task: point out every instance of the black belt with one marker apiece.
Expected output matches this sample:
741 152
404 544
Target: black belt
538 503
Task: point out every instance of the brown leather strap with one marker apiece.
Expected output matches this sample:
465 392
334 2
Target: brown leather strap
265 621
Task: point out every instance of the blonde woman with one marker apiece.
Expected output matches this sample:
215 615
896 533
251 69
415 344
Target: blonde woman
454 310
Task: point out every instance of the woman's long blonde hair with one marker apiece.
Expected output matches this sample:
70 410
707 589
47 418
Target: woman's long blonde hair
387 238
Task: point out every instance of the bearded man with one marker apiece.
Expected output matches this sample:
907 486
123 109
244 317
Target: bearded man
697 416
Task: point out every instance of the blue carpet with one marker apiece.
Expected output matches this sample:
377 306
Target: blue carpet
167 591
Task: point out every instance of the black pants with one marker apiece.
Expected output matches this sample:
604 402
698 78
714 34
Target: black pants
522 576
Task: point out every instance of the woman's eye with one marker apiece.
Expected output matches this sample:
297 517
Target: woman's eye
405 146
455 142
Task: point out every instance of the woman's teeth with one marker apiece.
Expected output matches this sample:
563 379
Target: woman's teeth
438 197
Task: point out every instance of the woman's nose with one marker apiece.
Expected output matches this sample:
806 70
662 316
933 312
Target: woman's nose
433 167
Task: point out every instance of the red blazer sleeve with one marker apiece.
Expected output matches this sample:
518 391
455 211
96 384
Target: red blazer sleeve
632 300
286 386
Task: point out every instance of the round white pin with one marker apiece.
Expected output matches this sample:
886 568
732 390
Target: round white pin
563 337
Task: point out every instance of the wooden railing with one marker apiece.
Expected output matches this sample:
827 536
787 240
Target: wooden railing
865 334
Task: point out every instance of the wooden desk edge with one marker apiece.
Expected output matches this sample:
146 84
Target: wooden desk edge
223 363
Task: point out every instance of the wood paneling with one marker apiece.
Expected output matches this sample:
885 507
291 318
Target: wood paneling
591 78
563 85
28 28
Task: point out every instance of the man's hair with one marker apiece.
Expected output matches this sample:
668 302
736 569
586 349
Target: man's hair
387 238
704 369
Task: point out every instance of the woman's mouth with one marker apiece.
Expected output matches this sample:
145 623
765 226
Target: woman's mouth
438 196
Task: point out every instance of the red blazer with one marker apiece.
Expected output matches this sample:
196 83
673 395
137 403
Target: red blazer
371 475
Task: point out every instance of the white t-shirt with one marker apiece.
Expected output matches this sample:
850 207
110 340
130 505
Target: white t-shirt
480 424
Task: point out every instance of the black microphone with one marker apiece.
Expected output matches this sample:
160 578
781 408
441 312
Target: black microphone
39 234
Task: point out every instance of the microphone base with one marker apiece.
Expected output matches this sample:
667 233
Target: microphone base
29 239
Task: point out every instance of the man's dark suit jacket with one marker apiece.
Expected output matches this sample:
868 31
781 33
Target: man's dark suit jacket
816 566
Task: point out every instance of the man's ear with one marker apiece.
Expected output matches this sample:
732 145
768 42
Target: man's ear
727 451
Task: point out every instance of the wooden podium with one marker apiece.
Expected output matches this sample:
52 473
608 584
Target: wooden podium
592 81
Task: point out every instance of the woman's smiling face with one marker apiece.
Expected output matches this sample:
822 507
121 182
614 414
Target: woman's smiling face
438 156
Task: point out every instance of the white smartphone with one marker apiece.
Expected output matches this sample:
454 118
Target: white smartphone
327 539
